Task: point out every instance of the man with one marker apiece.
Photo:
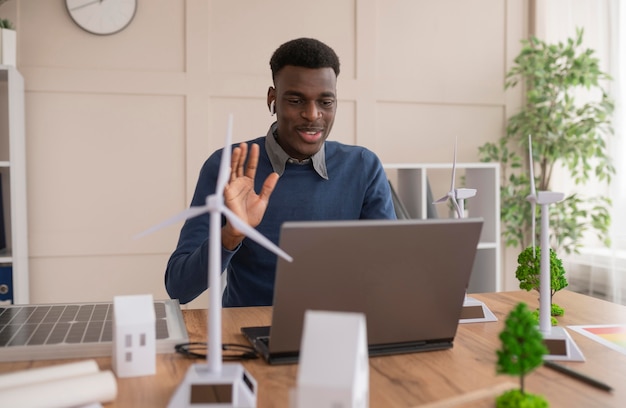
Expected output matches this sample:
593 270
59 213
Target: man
319 180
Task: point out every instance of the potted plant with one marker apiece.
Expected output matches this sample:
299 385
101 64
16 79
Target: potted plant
522 351
566 131
8 43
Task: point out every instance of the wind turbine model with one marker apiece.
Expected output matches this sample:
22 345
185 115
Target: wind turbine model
457 195
473 309
560 344
215 382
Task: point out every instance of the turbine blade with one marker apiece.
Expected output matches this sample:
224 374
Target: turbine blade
442 199
534 221
183 215
453 166
224 173
254 234
533 191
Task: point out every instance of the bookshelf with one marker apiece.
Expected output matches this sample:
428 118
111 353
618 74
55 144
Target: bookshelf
411 182
14 257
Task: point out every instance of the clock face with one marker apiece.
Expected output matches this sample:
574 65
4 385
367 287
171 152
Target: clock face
102 17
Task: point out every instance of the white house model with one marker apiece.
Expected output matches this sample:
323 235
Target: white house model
334 366
134 336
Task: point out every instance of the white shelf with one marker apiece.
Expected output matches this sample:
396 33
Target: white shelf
411 184
13 173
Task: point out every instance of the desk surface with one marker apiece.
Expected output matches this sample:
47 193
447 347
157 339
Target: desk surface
435 378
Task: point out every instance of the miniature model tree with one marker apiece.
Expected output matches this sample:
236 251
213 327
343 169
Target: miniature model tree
528 272
522 351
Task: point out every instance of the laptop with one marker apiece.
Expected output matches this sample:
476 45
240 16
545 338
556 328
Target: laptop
407 276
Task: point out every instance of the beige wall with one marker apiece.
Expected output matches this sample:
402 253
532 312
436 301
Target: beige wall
118 126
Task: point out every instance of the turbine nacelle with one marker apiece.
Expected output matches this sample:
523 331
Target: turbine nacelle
549 197
463 193
545 197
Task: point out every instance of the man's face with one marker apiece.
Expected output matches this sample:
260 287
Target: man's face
306 102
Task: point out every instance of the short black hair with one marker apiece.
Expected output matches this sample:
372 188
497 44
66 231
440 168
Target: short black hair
304 52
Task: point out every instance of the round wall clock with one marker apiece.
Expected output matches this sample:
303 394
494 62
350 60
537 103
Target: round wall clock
102 17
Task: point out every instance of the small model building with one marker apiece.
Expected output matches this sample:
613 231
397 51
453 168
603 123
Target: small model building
134 337
334 365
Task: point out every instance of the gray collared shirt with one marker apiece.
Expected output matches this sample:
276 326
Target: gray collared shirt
278 157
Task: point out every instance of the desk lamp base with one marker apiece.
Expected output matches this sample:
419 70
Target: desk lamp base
232 387
561 346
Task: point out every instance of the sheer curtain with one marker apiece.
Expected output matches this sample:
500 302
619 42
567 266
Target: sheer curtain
618 144
598 270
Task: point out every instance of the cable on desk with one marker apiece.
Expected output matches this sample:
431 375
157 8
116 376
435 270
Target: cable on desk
232 351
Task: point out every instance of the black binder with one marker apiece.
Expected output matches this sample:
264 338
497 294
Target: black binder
3 237
6 284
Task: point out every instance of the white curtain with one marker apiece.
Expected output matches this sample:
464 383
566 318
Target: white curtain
604 23
618 188
618 70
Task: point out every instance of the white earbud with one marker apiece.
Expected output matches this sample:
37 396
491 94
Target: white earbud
273 108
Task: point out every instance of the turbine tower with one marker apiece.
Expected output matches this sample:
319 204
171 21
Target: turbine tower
556 334
214 374
458 197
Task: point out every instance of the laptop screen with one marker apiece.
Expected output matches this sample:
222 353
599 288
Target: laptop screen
408 276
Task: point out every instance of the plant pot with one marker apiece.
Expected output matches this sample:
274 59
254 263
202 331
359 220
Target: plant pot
8 47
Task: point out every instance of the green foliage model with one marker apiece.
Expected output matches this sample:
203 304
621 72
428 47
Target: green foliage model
522 351
529 270
565 132
528 273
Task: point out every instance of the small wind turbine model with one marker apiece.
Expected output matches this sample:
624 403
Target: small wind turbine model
214 379
562 344
457 195
473 309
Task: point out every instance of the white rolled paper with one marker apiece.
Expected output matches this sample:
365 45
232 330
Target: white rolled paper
62 393
49 373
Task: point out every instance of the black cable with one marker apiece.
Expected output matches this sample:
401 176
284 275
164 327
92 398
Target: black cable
199 350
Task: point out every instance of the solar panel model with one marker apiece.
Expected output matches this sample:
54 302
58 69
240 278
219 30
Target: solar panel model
76 330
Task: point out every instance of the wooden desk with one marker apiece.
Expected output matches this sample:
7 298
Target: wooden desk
408 380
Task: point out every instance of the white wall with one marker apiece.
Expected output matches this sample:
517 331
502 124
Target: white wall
118 126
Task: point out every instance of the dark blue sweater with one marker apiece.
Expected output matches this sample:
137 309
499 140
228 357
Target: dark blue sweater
357 188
